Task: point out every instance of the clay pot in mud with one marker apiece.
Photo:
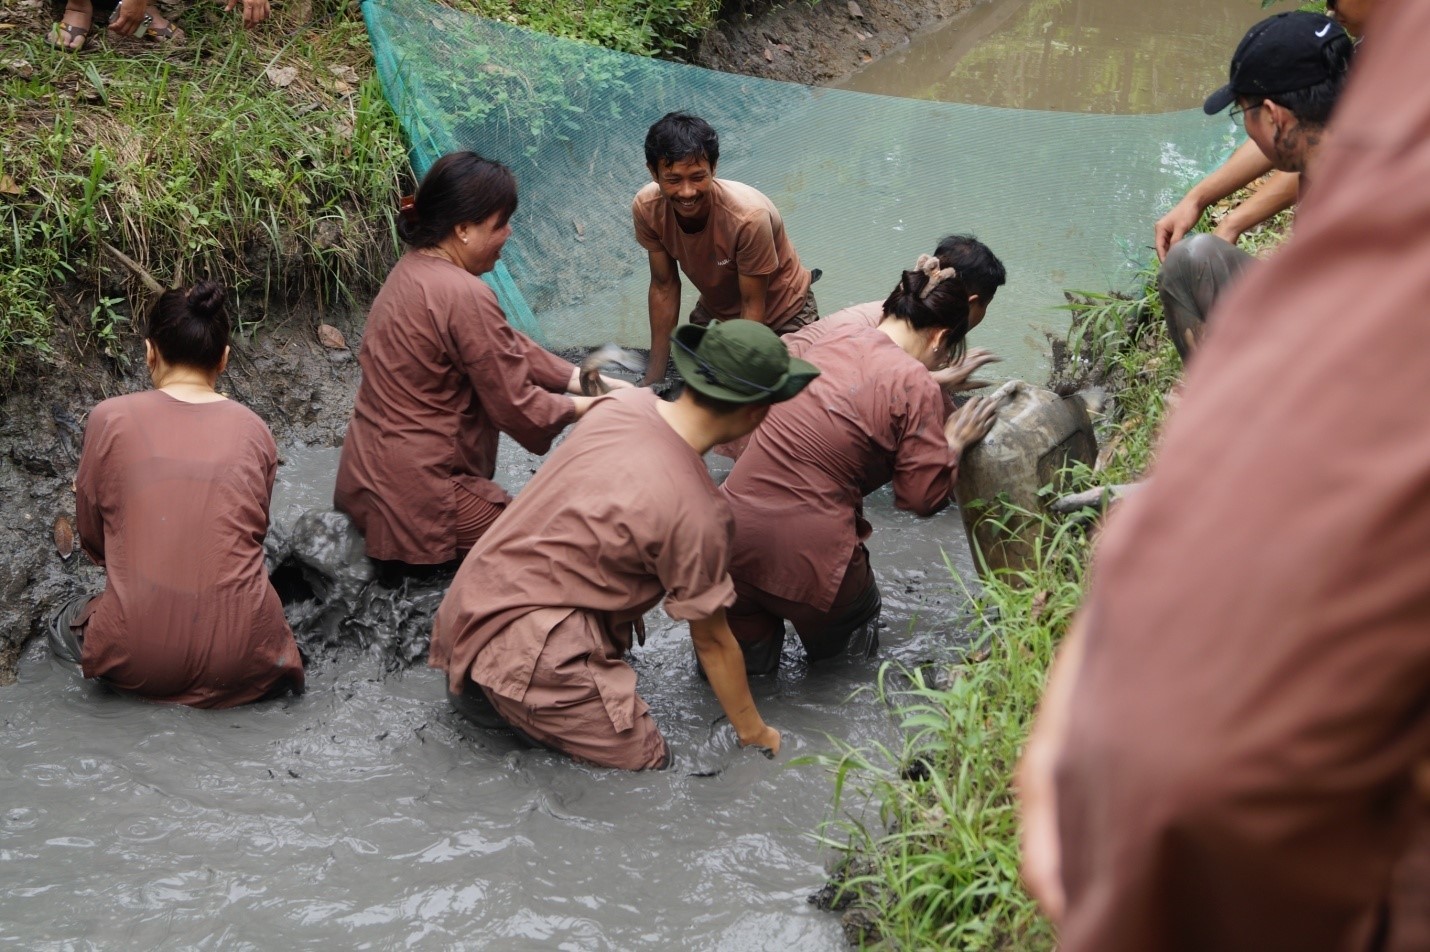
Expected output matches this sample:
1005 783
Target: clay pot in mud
1037 434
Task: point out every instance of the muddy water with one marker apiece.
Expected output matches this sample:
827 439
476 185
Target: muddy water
1110 56
366 815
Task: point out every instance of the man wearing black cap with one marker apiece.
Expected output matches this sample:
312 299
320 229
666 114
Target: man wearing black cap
1286 76
543 610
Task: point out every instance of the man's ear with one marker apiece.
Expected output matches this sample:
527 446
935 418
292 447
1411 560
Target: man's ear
1281 117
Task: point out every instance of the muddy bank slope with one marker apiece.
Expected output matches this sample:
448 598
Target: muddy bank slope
815 42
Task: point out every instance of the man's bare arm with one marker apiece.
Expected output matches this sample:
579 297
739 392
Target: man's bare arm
1247 164
753 289
1277 194
663 300
724 665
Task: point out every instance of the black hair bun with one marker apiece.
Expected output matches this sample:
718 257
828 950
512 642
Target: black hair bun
206 299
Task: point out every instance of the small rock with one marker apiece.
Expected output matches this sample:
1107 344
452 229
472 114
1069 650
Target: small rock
854 10
769 55
332 338
342 88
346 73
20 68
64 537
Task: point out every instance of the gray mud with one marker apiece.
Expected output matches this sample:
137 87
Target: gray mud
366 814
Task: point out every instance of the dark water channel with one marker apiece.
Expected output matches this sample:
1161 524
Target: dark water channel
366 815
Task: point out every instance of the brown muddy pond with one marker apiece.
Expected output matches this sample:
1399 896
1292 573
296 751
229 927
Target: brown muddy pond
1109 56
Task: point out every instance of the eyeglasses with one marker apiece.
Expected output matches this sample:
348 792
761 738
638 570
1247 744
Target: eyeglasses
1238 112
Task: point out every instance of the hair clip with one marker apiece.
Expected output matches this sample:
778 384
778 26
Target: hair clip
928 264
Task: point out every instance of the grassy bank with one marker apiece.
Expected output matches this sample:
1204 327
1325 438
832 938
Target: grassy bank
935 864
268 160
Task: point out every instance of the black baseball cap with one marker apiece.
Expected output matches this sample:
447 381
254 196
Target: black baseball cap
1278 55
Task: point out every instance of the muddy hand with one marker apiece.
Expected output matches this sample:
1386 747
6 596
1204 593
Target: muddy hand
959 376
606 356
971 422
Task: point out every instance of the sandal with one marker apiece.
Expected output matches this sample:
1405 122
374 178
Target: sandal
168 32
70 37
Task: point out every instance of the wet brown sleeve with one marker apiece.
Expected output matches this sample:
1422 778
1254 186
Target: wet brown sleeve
924 467
646 235
507 369
755 252
693 562
88 518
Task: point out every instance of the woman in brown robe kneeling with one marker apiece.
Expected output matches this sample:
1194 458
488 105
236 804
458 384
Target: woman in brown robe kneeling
443 374
172 500
874 415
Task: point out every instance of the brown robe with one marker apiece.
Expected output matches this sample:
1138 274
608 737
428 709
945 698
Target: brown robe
873 415
620 516
744 235
443 374
1255 692
172 499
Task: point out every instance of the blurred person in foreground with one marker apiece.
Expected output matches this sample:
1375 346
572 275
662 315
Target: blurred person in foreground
1231 750
1286 76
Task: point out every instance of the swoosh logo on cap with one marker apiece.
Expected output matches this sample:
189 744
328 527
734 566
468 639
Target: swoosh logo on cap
1324 30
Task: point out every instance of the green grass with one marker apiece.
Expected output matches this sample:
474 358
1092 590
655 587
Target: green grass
936 865
191 162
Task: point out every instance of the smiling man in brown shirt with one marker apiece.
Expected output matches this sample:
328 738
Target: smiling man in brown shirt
727 237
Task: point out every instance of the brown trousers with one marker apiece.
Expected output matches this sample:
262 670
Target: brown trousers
807 314
851 624
563 709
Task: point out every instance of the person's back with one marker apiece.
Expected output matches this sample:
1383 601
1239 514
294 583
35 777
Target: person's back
172 498
797 490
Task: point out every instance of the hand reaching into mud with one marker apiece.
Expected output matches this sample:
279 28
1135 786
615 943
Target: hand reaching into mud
971 422
766 742
959 376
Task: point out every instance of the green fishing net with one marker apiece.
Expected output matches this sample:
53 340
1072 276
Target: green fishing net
865 183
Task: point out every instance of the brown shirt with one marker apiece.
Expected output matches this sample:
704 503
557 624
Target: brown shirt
868 314
443 374
622 514
1255 693
172 499
873 415
743 235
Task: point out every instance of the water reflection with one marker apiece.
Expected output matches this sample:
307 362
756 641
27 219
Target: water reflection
1108 56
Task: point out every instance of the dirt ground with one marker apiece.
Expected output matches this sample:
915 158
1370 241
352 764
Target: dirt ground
816 42
303 389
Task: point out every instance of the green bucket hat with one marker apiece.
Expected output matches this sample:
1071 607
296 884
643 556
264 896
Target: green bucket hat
739 361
